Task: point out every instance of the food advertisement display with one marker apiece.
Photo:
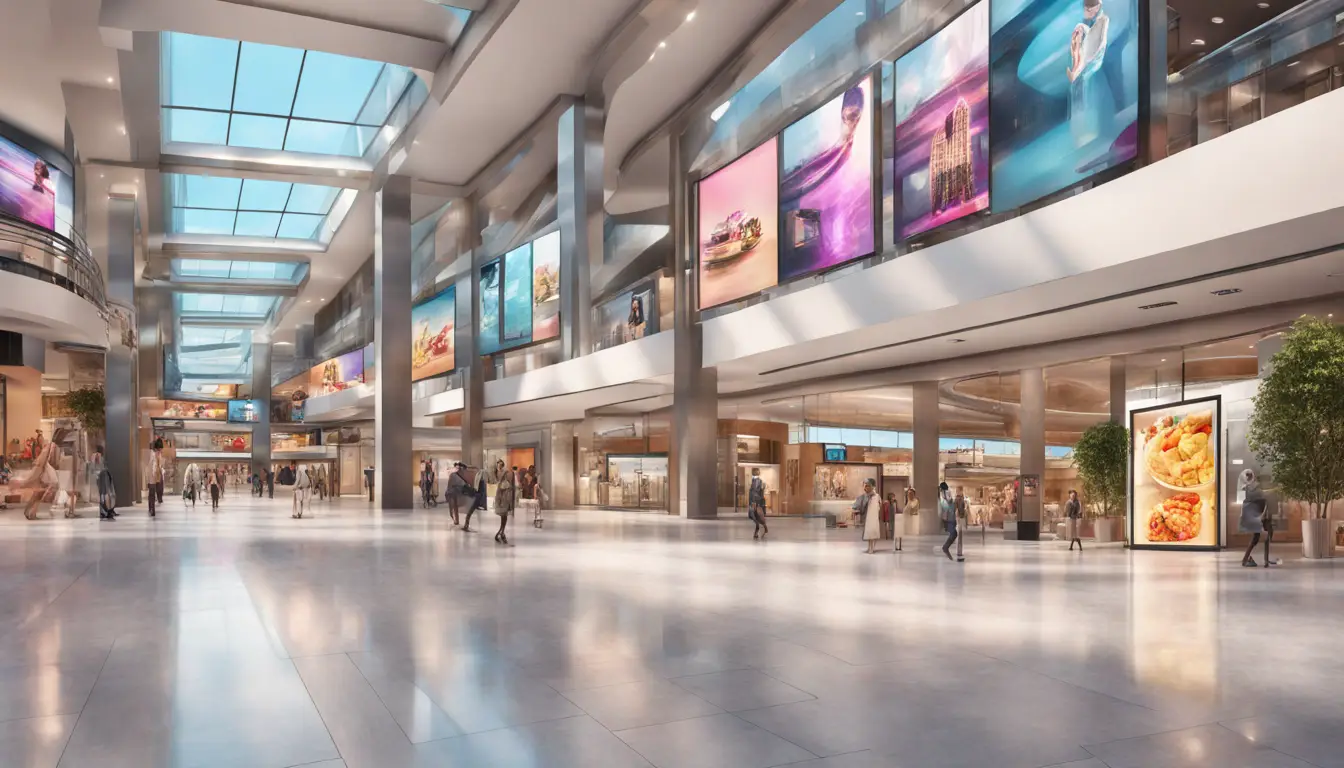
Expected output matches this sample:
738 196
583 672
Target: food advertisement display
337 374
1174 476
942 125
27 186
546 287
739 227
432 325
489 341
1065 81
826 192
518 296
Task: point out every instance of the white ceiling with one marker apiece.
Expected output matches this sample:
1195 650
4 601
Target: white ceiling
416 18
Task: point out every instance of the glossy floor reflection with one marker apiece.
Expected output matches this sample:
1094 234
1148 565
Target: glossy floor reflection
357 639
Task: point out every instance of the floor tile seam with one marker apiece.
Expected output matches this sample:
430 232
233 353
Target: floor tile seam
721 711
466 734
1168 732
1223 724
838 754
331 737
23 624
766 672
75 725
1069 683
383 702
776 735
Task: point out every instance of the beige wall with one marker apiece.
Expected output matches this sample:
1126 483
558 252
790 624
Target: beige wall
23 403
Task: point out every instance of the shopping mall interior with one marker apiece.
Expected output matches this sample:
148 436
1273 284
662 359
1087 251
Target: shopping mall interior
843 382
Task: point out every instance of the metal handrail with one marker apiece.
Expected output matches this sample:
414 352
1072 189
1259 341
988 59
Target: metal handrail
39 253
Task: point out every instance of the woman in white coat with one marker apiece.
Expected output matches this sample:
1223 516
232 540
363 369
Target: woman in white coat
872 518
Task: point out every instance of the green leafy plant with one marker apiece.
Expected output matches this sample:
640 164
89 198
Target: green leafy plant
1297 429
1102 459
89 405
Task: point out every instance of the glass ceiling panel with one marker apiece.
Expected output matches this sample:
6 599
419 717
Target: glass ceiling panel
224 269
214 205
275 98
226 304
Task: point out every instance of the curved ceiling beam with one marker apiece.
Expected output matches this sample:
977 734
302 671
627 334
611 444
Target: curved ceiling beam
631 44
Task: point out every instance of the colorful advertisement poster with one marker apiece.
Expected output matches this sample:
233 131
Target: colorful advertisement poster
518 296
629 316
489 341
337 374
942 125
1175 466
1065 79
433 323
546 287
739 227
826 193
27 186
244 411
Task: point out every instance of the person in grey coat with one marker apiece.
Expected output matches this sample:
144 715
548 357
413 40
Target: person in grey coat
1255 518
1073 512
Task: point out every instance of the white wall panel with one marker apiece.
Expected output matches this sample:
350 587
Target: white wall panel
48 312
642 359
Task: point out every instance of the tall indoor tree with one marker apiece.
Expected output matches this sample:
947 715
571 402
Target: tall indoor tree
1102 459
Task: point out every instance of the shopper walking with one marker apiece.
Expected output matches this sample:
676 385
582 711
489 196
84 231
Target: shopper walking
102 478
947 512
871 505
894 513
212 480
756 504
1255 517
505 494
478 498
270 481
457 488
1073 520
302 485
154 476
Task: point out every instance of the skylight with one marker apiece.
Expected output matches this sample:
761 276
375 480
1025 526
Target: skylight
267 97
223 269
220 205
214 351
218 305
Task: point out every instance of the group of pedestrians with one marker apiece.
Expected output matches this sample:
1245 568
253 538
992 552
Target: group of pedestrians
209 481
878 515
515 489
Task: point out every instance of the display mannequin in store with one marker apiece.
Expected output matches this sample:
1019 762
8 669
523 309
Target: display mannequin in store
756 504
1255 517
947 512
871 505
1073 520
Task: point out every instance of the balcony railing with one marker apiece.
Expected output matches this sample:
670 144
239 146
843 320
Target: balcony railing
41 254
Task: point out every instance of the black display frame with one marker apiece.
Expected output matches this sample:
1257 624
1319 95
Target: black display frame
1219 518
433 297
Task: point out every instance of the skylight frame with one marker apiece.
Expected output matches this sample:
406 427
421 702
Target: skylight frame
315 223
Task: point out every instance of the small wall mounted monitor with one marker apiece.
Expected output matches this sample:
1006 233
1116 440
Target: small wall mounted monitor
835 452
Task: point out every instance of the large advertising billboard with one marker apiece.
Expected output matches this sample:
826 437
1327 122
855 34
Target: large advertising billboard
826 192
546 287
337 374
27 186
628 316
433 323
489 341
942 125
1175 464
517 304
1065 79
739 227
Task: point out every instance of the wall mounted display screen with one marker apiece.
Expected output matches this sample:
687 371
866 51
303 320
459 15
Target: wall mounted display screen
942 125
631 315
546 287
826 192
337 374
433 323
245 411
27 186
739 227
1174 476
370 365
835 453
489 341
517 304
1065 79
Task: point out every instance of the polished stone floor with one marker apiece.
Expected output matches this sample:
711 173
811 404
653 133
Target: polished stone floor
370 640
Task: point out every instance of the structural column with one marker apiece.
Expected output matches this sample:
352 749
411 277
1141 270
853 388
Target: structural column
261 392
394 479
695 407
1119 392
466 329
120 385
580 208
1032 424
925 469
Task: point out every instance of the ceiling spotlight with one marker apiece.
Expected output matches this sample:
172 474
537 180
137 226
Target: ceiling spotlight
1262 5
1294 63
662 44
111 80
1217 19
720 111
1197 41
307 301
690 16
123 130
1164 359
101 176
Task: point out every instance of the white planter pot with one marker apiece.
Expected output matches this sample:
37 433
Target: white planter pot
1318 541
1108 529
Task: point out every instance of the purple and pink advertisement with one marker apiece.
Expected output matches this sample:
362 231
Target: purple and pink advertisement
942 125
27 186
826 193
739 227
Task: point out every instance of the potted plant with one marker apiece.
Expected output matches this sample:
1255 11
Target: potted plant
89 406
1297 428
1102 459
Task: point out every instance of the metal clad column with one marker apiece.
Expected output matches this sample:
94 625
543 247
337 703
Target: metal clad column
1119 392
468 360
261 391
394 480
695 414
925 468
121 386
1033 451
580 208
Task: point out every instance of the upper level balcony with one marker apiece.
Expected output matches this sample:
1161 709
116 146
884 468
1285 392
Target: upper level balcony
52 287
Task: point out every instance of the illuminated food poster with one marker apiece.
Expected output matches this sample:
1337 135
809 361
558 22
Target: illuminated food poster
518 296
1065 81
942 125
1174 473
27 186
826 193
337 374
489 341
739 227
546 287
433 323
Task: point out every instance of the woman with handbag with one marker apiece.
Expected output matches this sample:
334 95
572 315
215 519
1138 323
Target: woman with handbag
1073 518
504 499
1255 518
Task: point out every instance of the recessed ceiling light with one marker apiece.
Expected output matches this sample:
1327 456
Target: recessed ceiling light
122 129
1217 19
720 111
1262 5
307 301
1164 359
1225 291
101 176
1197 41
690 16
1294 63
1158 305
111 80
662 44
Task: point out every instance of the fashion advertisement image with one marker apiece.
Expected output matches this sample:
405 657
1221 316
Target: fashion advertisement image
627 317
518 296
826 193
337 374
739 227
942 125
432 327
27 186
546 287
1065 79
489 341
1174 475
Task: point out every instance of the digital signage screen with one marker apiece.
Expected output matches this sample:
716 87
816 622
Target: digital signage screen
826 192
546 287
517 304
628 316
245 411
489 341
337 374
27 186
1174 476
739 227
942 125
1065 79
433 323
